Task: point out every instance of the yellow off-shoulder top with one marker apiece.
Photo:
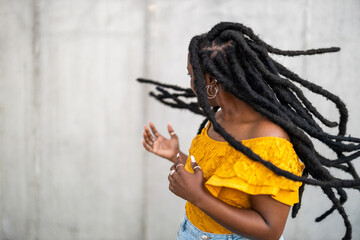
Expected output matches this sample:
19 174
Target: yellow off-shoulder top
232 177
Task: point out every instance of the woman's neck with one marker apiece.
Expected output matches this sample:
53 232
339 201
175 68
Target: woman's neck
234 109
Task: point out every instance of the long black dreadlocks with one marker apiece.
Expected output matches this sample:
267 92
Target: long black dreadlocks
240 61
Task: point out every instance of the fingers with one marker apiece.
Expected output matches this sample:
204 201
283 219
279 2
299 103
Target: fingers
171 176
173 167
194 165
171 188
177 159
172 184
171 131
179 164
148 138
180 159
146 146
153 130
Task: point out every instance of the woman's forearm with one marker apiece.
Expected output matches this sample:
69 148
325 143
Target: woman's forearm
245 222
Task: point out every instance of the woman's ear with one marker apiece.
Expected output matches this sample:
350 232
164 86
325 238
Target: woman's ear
209 79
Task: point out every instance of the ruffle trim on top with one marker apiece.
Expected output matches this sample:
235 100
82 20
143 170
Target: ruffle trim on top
225 167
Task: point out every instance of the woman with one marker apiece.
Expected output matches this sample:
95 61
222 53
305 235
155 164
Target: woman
243 171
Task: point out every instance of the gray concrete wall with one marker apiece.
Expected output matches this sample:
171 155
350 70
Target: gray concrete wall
71 115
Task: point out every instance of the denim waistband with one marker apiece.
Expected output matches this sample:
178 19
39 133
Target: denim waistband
189 228
188 231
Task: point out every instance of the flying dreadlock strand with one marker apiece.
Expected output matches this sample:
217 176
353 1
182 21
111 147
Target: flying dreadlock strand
192 106
297 206
316 89
248 31
343 198
177 103
177 88
271 66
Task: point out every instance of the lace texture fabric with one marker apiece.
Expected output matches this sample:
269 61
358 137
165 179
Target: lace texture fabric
232 177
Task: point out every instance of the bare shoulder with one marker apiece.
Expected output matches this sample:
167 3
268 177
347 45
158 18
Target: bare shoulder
266 128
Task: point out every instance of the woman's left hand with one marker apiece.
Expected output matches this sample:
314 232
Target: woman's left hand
189 186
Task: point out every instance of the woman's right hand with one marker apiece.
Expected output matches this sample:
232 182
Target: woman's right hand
155 143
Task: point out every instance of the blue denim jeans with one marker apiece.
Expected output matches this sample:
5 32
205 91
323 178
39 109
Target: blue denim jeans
187 231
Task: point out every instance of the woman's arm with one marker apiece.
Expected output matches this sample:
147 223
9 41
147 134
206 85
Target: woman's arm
265 220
